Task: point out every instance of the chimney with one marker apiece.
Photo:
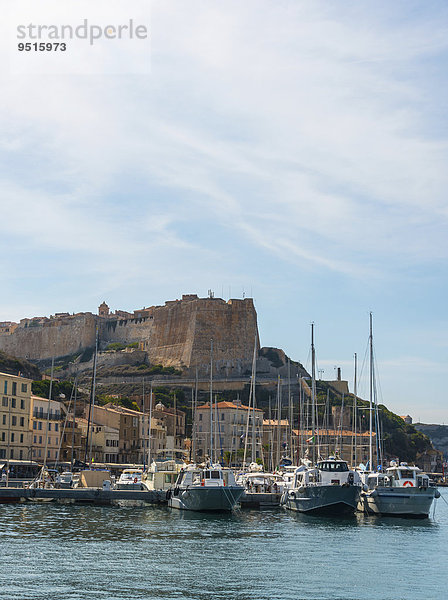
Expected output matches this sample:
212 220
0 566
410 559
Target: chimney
339 373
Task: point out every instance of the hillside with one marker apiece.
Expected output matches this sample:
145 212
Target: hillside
438 434
18 366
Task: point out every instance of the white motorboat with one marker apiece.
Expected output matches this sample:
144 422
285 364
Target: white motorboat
161 475
209 488
130 479
328 488
402 491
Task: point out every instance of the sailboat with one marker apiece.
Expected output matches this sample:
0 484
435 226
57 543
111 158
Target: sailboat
328 486
401 490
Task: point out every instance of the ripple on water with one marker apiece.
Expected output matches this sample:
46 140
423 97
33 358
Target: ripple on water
70 552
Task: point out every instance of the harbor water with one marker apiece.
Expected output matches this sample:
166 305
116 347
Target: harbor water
88 552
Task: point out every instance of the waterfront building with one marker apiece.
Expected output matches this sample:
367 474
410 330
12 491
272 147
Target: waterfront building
229 428
45 424
103 440
15 393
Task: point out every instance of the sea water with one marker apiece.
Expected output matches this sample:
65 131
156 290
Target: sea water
54 551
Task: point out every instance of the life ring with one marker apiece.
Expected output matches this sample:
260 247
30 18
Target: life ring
135 479
408 483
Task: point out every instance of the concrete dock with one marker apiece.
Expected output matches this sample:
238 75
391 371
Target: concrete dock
81 495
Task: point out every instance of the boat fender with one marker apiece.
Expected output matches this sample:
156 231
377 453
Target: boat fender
292 494
408 483
437 494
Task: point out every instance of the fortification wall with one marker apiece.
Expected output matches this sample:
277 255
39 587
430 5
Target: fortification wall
125 331
233 327
171 339
177 334
55 337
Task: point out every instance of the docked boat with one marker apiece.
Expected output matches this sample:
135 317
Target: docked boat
261 489
161 475
130 479
210 488
402 491
330 487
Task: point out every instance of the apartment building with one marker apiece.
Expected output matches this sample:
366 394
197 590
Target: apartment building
46 422
231 427
15 393
103 443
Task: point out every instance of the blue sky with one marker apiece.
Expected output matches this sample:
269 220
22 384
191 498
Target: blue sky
295 151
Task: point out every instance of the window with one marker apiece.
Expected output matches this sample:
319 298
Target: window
56 426
222 416
5 388
22 421
4 401
12 437
200 416
35 440
34 424
40 440
24 387
14 388
21 454
22 404
39 426
14 421
2 453
3 436
21 439
49 426
4 419
13 402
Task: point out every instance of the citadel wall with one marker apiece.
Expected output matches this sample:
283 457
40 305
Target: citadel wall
177 334
38 340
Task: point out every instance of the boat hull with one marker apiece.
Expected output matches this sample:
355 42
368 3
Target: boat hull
398 502
324 499
212 499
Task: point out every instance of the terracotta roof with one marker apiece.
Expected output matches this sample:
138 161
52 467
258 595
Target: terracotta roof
283 422
224 404
333 432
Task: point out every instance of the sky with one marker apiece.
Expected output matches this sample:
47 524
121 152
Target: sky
292 151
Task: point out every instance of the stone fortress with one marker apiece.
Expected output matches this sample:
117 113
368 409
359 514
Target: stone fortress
177 334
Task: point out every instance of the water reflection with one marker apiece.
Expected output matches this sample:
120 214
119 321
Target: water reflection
72 552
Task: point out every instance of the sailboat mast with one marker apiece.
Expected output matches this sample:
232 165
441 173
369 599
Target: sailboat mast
150 423
211 400
254 438
371 395
355 408
313 392
93 392
48 418
143 423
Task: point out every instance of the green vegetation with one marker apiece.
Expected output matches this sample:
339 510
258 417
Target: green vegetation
16 366
139 370
42 388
